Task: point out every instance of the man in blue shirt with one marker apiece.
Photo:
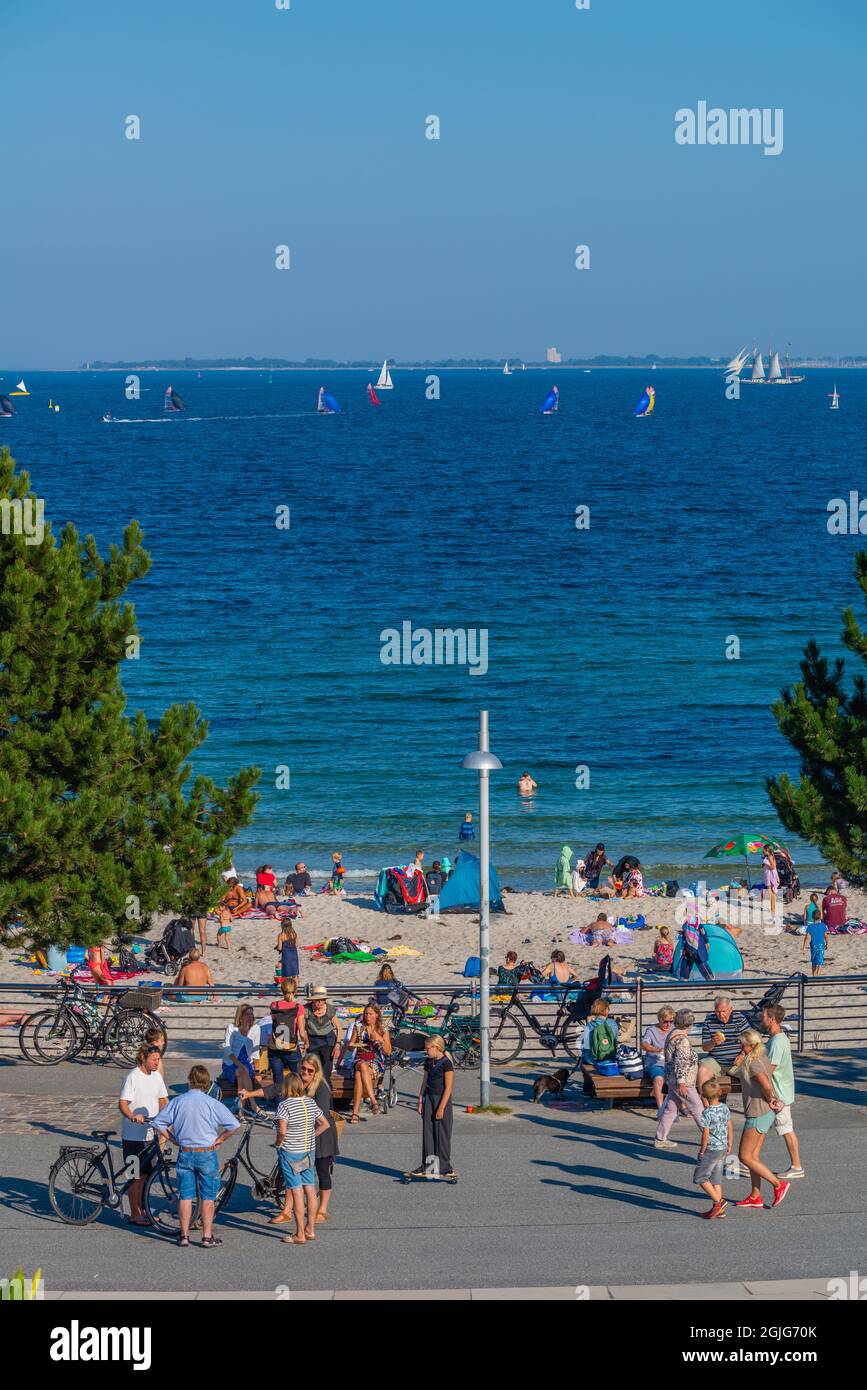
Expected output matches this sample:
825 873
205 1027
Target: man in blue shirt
199 1125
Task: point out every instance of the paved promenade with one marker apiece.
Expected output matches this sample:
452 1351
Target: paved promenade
549 1202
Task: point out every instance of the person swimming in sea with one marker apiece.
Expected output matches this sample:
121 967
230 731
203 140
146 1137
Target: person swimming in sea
526 785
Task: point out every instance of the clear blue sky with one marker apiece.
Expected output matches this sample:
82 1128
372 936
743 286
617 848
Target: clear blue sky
307 127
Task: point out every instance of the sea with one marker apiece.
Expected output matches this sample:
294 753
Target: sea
632 652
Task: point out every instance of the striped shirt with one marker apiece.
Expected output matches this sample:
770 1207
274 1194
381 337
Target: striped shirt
300 1114
725 1052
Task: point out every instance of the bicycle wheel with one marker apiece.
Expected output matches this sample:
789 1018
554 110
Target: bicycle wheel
78 1186
160 1199
228 1178
127 1033
54 1038
507 1037
570 1036
466 1053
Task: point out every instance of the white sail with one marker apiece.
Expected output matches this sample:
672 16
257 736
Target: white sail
835 399
738 363
385 382
775 374
758 368
507 370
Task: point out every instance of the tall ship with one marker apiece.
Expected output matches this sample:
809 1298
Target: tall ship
775 375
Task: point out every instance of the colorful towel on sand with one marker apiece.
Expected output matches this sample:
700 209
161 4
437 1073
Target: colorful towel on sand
363 956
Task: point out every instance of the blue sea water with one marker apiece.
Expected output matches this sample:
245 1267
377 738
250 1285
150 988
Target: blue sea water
606 646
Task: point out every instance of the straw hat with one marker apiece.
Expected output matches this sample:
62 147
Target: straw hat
319 992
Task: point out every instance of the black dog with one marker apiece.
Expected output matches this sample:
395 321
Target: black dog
554 1084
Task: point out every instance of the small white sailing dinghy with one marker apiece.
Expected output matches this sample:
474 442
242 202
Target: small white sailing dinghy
20 390
835 398
385 382
507 370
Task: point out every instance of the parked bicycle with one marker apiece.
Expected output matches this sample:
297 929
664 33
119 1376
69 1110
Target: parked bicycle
83 1182
262 1166
77 1025
460 1032
510 1022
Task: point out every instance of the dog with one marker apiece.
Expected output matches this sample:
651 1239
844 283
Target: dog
554 1084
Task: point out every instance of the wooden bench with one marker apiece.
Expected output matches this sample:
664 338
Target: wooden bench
611 1089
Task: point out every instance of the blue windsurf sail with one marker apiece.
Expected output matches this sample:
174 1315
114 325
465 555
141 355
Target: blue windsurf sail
551 402
646 404
326 404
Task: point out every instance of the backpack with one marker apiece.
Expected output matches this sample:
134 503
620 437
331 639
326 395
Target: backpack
473 968
630 1063
672 888
603 1041
284 1028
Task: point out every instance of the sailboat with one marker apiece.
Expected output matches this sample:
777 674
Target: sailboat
20 390
646 404
507 370
551 403
374 399
7 409
326 404
835 398
172 401
385 382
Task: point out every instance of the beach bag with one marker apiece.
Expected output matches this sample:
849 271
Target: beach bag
473 968
629 1061
607 1068
284 1028
672 888
603 1041
341 946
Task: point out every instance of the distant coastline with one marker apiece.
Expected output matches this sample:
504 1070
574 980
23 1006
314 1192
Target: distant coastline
315 364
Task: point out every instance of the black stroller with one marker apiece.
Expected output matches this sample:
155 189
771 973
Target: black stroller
177 942
790 884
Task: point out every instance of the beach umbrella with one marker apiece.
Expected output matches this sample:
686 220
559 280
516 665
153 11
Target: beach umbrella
741 847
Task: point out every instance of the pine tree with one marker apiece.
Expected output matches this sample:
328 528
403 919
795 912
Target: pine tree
97 831
827 725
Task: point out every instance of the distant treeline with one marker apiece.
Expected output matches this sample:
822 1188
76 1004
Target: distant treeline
323 363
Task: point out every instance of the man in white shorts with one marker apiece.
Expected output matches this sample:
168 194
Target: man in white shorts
779 1053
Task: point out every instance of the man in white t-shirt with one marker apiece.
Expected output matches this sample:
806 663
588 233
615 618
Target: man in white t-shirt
142 1096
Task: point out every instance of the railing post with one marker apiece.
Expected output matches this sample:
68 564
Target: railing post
639 995
802 1013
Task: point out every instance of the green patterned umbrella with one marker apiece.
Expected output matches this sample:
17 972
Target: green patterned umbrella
741 847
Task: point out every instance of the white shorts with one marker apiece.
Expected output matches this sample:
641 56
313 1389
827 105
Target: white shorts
783 1120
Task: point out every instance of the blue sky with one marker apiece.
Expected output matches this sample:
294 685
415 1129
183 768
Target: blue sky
306 127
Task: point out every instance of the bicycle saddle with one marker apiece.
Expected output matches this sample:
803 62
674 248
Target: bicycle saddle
104 1134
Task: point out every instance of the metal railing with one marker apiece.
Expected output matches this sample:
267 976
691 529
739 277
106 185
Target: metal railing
828 1013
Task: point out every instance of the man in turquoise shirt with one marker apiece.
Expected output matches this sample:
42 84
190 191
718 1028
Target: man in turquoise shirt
199 1126
779 1054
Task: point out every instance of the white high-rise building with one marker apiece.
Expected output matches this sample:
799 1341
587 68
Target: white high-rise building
553 355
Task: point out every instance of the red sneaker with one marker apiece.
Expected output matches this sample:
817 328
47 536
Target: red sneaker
752 1201
780 1193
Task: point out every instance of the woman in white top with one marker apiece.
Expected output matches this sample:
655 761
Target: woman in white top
241 1049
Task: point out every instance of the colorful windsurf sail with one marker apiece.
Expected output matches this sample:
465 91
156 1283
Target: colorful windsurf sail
6 408
372 394
646 404
551 402
172 400
326 404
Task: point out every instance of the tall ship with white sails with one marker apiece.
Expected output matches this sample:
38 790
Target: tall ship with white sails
775 374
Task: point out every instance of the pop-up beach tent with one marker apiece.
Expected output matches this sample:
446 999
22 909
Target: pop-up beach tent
724 959
461 892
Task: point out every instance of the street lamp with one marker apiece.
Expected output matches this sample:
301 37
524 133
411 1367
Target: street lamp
484 762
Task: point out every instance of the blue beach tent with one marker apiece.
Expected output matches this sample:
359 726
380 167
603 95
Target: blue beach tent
461 892
724 958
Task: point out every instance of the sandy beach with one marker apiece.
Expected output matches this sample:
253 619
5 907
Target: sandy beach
534 925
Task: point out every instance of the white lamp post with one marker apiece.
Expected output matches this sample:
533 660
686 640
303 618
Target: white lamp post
484 762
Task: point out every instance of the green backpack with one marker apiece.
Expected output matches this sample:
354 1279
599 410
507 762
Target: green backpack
603 1041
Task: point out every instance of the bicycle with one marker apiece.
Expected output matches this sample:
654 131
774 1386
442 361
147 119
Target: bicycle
266 1186
82 1183
460 1032
75 1024
508 1033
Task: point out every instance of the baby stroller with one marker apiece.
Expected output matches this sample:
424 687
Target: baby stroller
177 942
790 884
396 891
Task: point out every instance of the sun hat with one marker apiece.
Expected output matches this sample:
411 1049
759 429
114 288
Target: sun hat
319 992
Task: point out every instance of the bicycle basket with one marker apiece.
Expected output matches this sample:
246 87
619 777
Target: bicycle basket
147 999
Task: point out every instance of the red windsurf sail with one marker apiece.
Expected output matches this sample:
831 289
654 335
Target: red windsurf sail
372 394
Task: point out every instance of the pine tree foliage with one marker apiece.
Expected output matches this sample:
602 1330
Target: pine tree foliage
826 724
98 827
